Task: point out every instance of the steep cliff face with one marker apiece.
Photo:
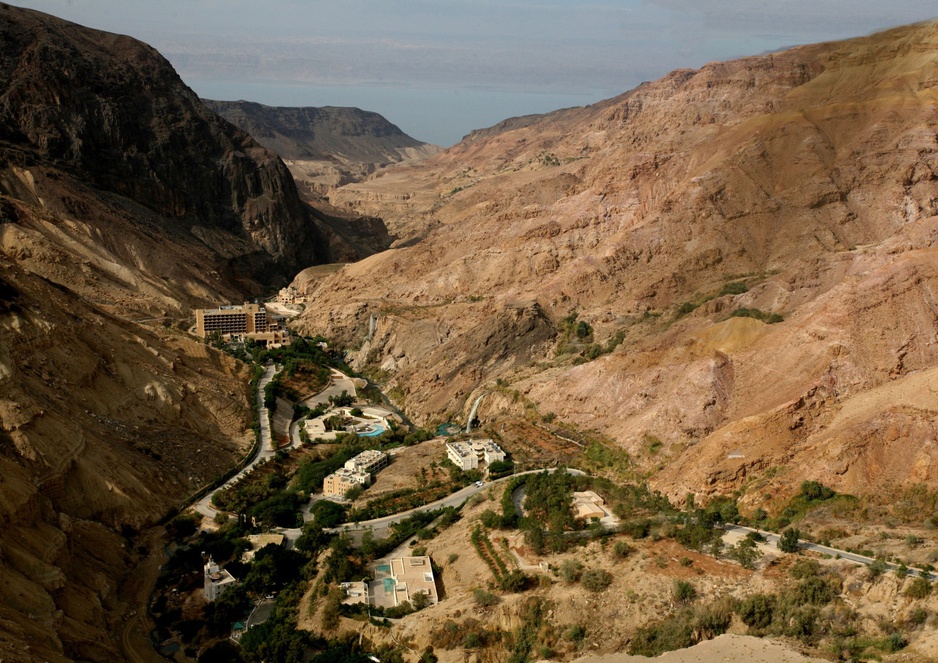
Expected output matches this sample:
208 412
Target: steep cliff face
328 147
341 135
800 183
112 112
104 426
123 203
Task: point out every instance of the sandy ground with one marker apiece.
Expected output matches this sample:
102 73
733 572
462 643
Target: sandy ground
404 469
731 648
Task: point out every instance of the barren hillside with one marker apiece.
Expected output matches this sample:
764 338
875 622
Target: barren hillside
325 147
123 202
797 186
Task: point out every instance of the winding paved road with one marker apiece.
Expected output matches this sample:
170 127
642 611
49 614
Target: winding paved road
340 382
827 550
454 500
265 450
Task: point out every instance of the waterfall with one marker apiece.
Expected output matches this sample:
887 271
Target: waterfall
472 412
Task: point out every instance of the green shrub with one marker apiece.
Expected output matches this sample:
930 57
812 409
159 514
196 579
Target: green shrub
757 610
813 490
683 591
917 617
637 529
734 288
805 568
471 641
766 317
491 519
894 643
876 569
686 308
685 629
596 580
484 599
571 570
575 633
919 588
813 591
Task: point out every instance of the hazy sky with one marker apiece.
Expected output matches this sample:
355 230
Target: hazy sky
440 68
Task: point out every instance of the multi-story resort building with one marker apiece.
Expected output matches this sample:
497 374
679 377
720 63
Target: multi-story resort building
488 450
216 581
342 480
245 321
369 461
462 454
357 472
466 455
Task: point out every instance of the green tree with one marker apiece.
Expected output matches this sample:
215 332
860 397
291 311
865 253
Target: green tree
420 600
328 514
746 553
228 608
342 400
788 543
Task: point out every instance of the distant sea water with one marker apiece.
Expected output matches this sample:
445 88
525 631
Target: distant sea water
435 115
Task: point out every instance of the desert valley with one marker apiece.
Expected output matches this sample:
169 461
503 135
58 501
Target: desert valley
656 376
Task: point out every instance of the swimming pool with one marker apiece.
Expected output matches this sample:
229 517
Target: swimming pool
372 430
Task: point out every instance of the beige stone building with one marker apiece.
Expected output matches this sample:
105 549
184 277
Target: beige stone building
245 321
233 320
290 295
341 481
588 505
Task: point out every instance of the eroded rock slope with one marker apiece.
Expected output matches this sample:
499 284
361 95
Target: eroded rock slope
801 184
124 202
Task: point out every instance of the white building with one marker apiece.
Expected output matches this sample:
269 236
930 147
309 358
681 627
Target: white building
370 461
488 450
463 455
217 581
467 455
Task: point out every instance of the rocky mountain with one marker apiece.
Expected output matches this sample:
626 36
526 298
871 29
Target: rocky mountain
325 147
113 114
123 203
750 248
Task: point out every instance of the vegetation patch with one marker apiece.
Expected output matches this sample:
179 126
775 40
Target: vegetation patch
765 316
